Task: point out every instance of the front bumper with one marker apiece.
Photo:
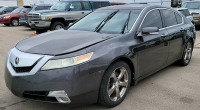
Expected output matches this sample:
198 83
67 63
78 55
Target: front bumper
81 86
5 21
40 24
196 22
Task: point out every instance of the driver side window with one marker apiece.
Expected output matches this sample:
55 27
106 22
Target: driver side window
153 19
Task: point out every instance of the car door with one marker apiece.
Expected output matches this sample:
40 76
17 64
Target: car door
153 48
76 12
86 8
174 25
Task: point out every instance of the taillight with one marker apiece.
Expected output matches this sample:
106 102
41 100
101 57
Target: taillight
27 15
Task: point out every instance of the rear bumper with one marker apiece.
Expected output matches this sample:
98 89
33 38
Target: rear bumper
40 24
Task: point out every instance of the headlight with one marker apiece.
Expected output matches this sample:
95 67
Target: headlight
6 17
67 62
45 18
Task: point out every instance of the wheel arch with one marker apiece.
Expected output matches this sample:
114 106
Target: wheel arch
130 64
62 20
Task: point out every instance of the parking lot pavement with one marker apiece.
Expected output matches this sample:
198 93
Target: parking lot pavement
173 88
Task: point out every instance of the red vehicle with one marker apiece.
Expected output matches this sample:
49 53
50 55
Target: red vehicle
12 18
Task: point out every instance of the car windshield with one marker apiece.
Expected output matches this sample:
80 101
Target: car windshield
108 21
60 6
191 5
16 10
2 9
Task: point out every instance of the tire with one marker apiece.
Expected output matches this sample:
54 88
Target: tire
110 82
7 24
57 25
15 22
187 54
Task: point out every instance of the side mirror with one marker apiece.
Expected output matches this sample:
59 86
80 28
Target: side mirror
71 7
150 30
4 11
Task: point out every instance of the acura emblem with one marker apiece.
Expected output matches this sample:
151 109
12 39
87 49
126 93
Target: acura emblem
17 61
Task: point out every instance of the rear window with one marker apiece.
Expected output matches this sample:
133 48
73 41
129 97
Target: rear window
100 4
26 10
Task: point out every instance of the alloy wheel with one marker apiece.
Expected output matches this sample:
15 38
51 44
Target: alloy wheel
188 52
58 27
15 22
117 84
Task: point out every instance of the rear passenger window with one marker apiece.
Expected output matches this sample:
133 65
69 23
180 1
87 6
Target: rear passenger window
86 5
39 8
47 7
77 6
100 4
178 18
153 19
104 4
169 18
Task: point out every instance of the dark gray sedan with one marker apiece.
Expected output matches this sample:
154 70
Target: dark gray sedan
97 58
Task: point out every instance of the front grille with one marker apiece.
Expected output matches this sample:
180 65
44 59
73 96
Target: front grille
22 69
39 96
34 16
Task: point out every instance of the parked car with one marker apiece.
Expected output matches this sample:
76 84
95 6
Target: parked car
194 9
1 6
63 13
186 13
12 18
7 9
117 3
97 58
27 9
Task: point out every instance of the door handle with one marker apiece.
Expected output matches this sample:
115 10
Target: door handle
82 12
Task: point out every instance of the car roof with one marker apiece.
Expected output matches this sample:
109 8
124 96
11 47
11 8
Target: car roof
37 5
132 6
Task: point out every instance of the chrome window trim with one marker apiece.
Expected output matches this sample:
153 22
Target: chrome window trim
161 16
138 18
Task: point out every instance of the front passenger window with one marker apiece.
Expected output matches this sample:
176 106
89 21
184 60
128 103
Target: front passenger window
153 19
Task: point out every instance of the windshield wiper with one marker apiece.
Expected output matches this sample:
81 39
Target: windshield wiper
126 23
99 27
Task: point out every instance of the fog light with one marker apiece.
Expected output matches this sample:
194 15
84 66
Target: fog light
61 96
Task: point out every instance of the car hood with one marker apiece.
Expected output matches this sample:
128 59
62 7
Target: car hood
61 42
194 11
46 11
